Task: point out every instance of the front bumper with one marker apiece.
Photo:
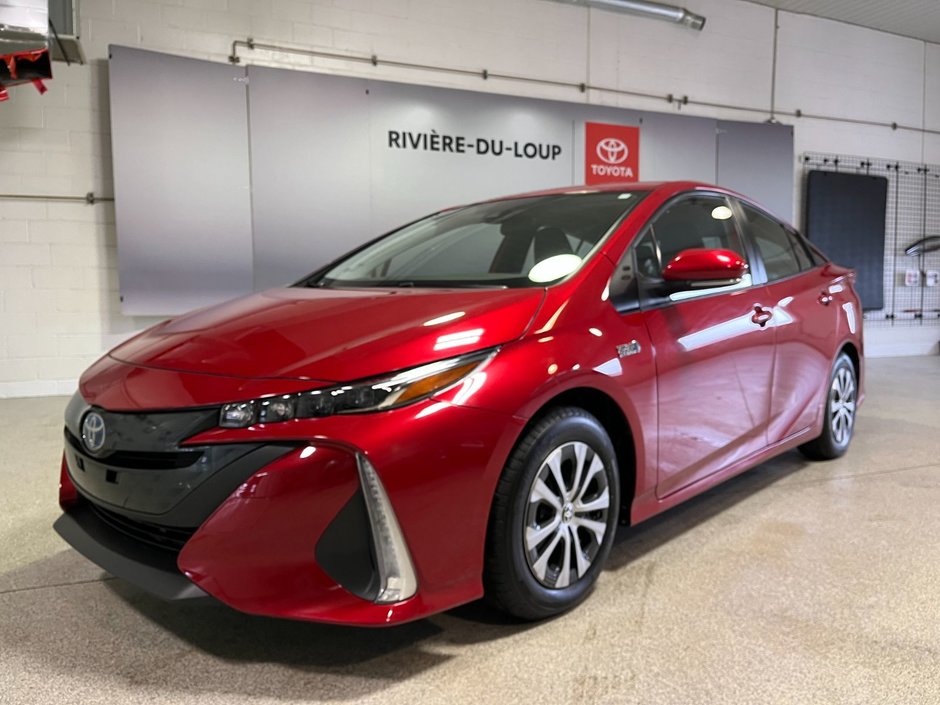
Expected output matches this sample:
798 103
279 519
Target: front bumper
293 537
124 557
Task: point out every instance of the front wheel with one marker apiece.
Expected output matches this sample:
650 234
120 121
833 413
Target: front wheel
554 516
839 423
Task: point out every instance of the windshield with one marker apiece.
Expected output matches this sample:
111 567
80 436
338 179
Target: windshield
513 243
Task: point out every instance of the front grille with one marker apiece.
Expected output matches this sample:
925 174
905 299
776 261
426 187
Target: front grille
170 538
154 437
142 460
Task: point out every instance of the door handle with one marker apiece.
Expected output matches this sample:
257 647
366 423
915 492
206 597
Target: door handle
761 315
825 298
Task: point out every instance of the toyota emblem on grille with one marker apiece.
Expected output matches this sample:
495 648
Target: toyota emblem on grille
93 432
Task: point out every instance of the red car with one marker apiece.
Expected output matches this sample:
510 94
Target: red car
466 406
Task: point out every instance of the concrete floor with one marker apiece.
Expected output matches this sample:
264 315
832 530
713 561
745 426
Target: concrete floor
797 582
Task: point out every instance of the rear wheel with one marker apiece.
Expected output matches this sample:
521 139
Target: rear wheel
554 516
839 423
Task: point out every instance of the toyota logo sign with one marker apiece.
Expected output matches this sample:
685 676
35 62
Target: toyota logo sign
612 151
93 432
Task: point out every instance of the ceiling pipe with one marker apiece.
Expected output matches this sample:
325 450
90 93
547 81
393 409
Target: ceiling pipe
655 10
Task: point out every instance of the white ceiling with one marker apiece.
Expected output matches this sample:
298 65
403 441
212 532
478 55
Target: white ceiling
911 18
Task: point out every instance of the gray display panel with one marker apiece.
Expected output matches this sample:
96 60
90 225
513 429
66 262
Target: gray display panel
319 188
179 130
757 159
678 147
434 149
310 167
336 161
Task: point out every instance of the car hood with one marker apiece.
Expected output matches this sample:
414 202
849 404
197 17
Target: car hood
333 335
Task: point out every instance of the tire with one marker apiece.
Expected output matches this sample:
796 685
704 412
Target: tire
839 422
547 542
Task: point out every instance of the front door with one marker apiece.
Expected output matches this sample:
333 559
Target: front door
714 349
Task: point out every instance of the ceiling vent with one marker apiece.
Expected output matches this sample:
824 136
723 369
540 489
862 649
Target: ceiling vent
64 44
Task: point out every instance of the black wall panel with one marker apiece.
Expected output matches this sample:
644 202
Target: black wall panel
845 218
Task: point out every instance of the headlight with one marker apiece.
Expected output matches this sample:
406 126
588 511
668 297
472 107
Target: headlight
376 394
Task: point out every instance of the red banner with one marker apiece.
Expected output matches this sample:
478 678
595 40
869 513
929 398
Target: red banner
611 153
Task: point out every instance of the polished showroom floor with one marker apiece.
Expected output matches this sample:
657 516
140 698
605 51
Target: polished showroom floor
797 582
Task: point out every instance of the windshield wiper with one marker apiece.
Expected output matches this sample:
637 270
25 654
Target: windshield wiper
443 285
401 284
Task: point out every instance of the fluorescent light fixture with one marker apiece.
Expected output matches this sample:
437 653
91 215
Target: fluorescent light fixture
655 10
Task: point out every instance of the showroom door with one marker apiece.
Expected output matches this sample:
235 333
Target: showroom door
714 350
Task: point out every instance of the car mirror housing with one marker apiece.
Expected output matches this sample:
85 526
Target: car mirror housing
700 265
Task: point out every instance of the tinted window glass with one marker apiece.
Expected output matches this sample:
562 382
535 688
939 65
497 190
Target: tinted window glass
818 257
782 253
701 221
468 250
695 222
642 258
802 253
646 256
516 242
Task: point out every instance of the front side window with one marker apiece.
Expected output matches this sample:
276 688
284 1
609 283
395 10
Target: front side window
781 250
700 221
512 243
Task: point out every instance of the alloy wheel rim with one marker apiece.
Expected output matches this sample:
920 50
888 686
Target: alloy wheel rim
842 406
566 515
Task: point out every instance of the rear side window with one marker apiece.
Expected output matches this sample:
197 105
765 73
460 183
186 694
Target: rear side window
802 254
819 258
783 253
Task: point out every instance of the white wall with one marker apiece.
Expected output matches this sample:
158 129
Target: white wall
59 305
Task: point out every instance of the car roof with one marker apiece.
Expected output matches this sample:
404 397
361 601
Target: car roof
669 186
666 188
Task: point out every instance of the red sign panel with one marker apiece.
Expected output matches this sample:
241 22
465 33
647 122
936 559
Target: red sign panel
611 153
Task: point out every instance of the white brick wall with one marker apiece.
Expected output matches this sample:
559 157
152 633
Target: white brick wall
59 306
729 62
837 69
932 102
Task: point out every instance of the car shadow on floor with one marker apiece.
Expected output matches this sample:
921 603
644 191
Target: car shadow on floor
108 633
109 630
632 543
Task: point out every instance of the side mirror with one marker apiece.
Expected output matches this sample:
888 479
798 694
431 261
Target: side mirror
699 266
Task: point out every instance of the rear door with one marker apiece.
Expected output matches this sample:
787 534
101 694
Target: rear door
713 348
804 319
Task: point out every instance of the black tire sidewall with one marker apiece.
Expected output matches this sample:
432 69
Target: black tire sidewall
842 361
574 427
